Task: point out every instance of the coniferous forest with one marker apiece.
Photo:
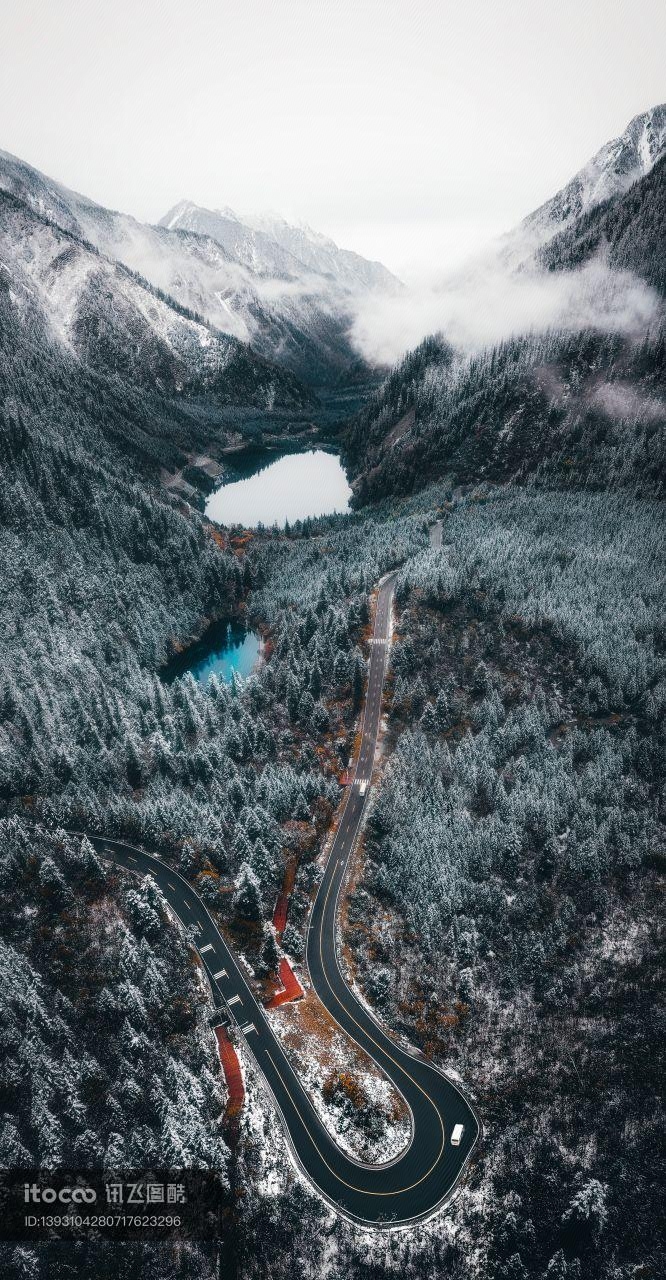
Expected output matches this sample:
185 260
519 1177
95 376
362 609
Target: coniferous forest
502 912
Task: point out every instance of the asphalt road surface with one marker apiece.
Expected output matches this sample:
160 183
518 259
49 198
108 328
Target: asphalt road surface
413 1185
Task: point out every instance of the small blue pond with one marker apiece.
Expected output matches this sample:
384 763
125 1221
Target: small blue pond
225 648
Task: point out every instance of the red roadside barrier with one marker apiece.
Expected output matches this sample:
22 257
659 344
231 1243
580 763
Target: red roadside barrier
292 987
232 1072
280 913
282 904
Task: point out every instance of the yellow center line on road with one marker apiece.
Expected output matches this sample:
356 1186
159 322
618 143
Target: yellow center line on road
395 1062
377 1045
351 1185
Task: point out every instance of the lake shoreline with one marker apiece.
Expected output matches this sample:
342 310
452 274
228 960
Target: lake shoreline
240 435
276 487
271 447
220 648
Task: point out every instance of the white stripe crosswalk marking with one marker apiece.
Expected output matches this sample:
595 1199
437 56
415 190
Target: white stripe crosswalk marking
208 947
235 1000
221 973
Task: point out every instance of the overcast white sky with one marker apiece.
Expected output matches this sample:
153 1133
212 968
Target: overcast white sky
408 131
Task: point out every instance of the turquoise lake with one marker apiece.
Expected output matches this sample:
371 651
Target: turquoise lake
225 648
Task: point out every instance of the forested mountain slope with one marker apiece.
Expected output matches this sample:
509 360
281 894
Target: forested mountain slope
566 408
615 168
628 231
91 971
241 281
60 290
582 403
107 1057
514 864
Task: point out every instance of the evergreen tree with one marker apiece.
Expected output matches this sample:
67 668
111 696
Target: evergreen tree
292 941
247 900
442 711
358 680
270 952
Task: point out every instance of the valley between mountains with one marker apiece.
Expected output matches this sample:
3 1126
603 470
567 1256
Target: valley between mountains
436 795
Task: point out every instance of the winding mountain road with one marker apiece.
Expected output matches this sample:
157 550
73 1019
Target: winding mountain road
420 1179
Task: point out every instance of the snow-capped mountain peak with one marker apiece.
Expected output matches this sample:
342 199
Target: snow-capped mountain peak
253 248
270 245
286 290
615 167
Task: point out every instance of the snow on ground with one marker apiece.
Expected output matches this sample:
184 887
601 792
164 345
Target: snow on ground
624 940
261 1129
375 1132
262 1134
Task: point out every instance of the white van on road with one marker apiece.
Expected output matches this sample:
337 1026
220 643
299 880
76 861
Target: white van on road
458 1130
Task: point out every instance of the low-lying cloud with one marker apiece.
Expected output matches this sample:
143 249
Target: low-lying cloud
620 401
491 304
